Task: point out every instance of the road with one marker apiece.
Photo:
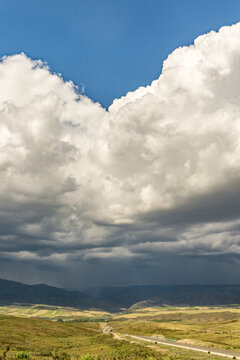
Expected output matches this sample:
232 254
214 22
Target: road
212 351
157 340
107 330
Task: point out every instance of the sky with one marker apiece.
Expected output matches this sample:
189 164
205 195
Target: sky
119 142
108 47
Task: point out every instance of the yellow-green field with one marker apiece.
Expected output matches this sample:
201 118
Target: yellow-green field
24 335
215 326
51 312
166 311
43 339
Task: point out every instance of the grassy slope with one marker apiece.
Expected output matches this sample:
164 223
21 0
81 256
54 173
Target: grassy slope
51 312
43 339
218 327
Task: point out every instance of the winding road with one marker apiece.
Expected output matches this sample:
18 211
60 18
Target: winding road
205 349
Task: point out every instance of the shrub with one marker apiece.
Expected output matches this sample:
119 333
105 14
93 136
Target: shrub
23 355
62 356
88 357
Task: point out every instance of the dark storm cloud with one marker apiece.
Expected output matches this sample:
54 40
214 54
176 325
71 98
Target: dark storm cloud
219 204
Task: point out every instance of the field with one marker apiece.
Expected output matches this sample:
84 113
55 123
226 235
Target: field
35 338
51 312
44 339
214 327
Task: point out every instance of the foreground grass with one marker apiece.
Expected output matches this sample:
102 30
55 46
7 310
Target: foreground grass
42 339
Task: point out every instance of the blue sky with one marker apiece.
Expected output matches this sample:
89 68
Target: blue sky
109 46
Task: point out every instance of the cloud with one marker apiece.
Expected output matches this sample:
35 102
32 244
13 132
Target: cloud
154 177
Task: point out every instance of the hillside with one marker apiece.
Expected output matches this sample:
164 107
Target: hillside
38 339
12 292
115 298
156 295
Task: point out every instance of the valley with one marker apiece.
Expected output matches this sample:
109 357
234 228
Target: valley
138 322
42 332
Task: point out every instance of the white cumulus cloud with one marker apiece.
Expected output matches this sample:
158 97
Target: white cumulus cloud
158 173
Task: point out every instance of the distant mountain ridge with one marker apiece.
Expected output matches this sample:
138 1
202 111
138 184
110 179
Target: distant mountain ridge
158 295
114 299
15 292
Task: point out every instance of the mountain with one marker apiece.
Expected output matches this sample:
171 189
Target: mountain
157 295
115 298
15 292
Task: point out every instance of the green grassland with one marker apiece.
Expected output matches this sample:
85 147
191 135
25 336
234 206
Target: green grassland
215 327
51 312
44 339
35 338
